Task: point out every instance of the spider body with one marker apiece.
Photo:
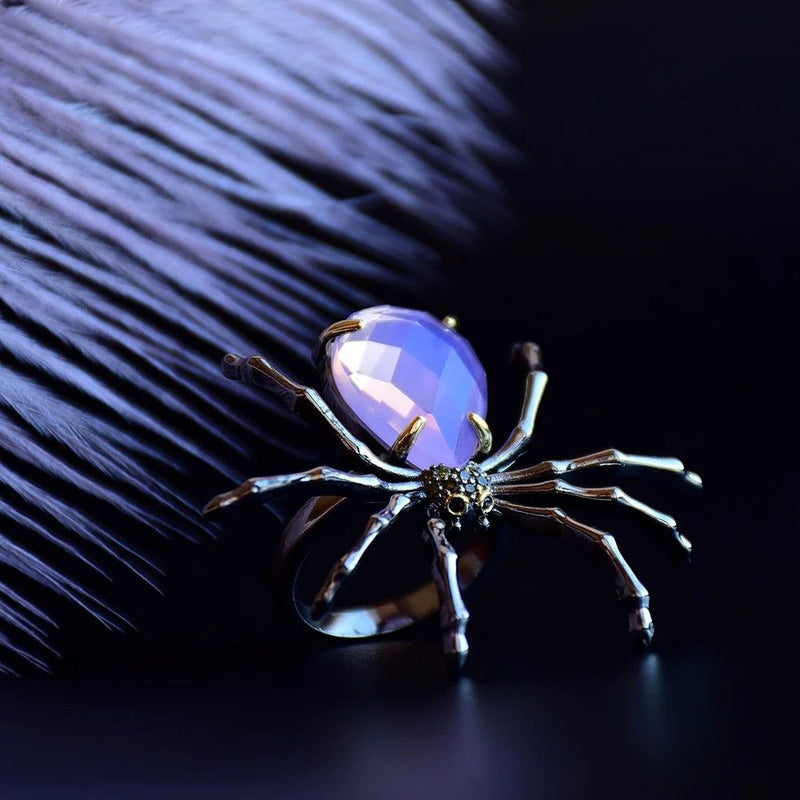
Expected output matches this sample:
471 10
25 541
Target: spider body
453 494
457 492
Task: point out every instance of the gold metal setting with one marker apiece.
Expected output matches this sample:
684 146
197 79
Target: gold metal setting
450 322
406 440
332 331
458 504
482 429
485 501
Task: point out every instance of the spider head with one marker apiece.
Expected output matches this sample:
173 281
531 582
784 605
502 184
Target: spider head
457 493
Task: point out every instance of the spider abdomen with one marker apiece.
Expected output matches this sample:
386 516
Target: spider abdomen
395 364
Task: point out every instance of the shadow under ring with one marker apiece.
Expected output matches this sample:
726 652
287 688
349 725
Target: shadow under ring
296 544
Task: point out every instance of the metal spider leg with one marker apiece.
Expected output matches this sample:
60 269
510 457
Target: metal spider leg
378 523
453 614
630 589
308 403
320 480
610 457
528 354
613 493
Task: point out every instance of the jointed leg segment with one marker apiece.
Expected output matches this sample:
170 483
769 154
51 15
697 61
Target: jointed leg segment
610 457
629 588
612 493
453 614
320 480
307 402
378 523
528 354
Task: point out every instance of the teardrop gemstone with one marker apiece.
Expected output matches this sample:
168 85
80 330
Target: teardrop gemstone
402 364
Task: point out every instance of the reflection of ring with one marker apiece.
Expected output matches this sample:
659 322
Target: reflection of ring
416 387
296 544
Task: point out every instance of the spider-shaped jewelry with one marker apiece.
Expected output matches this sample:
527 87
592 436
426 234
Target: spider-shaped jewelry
416 386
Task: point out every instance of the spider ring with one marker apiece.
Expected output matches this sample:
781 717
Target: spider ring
415 387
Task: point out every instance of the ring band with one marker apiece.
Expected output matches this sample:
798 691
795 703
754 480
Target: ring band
296 544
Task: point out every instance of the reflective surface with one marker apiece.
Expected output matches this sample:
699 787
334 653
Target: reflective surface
655 724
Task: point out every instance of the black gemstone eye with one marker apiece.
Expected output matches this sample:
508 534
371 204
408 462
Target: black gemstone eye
487 504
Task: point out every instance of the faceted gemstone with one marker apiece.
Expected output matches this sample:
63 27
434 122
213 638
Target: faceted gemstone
405 363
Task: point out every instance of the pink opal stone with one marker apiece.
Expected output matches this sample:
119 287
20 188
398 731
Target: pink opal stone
405 363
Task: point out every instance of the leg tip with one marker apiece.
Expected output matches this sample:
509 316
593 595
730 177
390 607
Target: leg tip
454 662
456 650
211 506
528 355
685 544
693 478
641 629
232 366
220 501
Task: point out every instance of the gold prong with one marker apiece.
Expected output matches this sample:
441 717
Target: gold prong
450 321
482 429
332 331
406 440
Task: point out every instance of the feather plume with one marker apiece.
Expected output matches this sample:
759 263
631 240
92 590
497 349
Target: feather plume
178 179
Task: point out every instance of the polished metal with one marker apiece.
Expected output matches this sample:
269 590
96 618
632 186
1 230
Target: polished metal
398 454
299 538
629 588
319 480
450 322
482 429
378 523
613 493
453 614
605 458
330 333
520 437
452 497
308 403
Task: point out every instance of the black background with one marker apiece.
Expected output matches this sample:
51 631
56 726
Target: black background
654 259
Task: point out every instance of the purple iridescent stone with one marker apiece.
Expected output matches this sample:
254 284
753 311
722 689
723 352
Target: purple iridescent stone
405 363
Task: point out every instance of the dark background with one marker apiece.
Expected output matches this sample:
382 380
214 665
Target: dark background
654 259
